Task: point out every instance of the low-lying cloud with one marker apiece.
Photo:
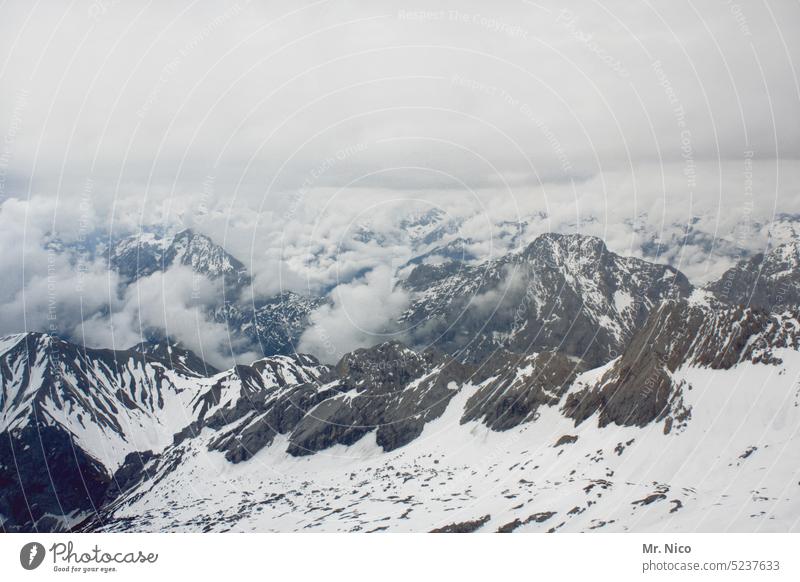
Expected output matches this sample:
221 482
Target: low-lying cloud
363 313
172 303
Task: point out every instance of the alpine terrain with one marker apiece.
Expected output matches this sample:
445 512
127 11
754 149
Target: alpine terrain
557 387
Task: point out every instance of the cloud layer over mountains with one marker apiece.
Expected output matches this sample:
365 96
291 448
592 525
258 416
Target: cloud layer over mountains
299 136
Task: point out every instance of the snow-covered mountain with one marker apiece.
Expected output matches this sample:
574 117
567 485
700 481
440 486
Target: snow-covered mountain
644 384
72 418
561 292
145 253
592 391
439 264
417 228
768 280
71 415
271 326
507 446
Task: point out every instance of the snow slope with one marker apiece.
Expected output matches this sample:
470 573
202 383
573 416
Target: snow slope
732 468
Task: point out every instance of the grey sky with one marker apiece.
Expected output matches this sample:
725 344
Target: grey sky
150 99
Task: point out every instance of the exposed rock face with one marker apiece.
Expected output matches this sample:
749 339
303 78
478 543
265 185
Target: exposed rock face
463 527
274 414
768 281
45 482
520 387
517 523
250 405
566 293
388 389
274 325
175 357
639 388
566 439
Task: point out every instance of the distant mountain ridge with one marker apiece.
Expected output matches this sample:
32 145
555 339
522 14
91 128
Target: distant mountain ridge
272 325
442 262
561 292
768 280
143 254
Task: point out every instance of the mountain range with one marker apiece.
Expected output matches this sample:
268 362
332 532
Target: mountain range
558 387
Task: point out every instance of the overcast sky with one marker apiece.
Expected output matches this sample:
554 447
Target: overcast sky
154 99
247 119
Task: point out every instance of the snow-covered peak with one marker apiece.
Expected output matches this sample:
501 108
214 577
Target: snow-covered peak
768 280
203 255
144 253
110 402
566 292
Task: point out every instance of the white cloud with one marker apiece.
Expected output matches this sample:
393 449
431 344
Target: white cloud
42 289
363 314
173 302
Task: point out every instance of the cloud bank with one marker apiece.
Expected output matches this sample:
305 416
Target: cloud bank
364 312
298 136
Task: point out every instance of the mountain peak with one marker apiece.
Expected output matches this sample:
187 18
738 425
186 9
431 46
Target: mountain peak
564 291
175 356
572 244
145 253
768 280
